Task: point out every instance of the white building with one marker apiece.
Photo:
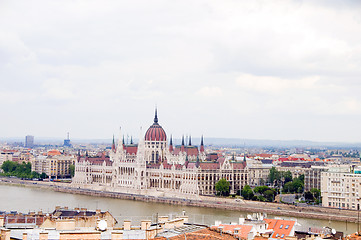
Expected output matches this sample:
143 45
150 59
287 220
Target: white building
152 167
340 188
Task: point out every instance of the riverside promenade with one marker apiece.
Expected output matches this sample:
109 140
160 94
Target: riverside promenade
276 209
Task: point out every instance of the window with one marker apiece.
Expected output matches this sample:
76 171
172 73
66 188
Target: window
287 226
281 226
282 236
277 235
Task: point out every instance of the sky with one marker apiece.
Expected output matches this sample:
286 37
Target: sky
282 70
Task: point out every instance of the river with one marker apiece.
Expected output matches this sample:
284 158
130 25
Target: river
25 199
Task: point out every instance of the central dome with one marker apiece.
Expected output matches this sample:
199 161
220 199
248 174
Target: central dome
155 132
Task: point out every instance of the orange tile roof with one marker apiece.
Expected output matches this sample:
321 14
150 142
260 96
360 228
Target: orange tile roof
243 231
280 227
54 152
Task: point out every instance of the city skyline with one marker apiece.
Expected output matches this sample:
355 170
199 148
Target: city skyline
249 70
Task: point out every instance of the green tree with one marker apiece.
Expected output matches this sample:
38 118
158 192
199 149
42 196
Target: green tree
222 187
274 176
247 192
287 176
269 195
308 196
260 189
288 187
72 170
43 175
8 166
297 185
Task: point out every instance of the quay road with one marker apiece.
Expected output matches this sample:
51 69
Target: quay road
276 209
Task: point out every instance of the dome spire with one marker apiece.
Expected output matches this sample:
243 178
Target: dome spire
156 116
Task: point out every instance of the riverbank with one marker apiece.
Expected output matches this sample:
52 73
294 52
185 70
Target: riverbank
208 202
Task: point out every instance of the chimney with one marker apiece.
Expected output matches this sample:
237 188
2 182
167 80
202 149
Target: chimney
98 211
127 224
145 224
43 236
83 209
57 208
5 234
25 236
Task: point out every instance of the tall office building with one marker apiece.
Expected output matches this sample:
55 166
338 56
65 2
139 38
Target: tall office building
29 141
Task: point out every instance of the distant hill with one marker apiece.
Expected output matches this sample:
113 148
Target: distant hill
222 142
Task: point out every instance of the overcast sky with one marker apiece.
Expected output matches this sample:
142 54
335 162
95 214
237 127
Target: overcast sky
239 69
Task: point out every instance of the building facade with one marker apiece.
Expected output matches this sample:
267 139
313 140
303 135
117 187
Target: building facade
55 166
340 189
154 167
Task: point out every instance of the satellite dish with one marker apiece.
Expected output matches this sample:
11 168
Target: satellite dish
102 225
333 231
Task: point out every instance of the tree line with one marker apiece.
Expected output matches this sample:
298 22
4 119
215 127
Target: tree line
20 170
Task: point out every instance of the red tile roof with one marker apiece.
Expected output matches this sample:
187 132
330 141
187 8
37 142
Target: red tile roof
209 166
280 227
130 149
243 230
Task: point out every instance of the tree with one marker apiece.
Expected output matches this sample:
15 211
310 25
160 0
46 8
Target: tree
43 175
316 193
308 196
72 170
274 175
247 192
297 185
261 189
222 186
287 176
269 195
8 166
288 187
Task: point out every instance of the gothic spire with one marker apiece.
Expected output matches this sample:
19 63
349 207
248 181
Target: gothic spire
113 145
156 116
202 145
190 140
182 140
171 144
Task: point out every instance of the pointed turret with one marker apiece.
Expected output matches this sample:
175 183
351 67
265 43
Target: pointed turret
190 140
113 144
156 116
182 147
202 146
131 139
171 144
120 142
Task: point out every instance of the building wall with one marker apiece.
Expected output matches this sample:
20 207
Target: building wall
340 190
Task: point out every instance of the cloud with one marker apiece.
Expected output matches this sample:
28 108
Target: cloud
210 92
287 60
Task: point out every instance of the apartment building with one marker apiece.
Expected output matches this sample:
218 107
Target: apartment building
341 188
313 177
56 166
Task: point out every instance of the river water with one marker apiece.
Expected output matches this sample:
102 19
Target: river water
25 199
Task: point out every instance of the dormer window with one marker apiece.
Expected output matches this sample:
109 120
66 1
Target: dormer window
281 226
